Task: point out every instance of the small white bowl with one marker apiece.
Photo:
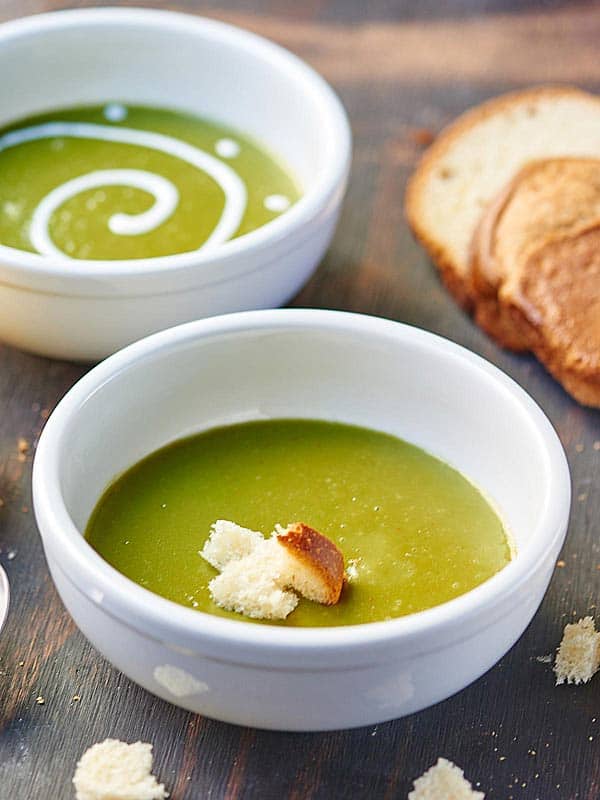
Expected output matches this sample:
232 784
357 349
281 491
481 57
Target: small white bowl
4 597
312 364
84 310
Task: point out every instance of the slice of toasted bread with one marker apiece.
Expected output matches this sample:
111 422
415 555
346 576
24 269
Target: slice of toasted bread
315 565
473 158
558 294
546 199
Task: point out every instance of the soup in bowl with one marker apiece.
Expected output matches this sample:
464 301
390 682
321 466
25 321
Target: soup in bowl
472 485
166 168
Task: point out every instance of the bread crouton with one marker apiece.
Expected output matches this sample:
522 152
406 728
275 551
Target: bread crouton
444 781
256 584
578 657
315 565
261 578
228 542
114 770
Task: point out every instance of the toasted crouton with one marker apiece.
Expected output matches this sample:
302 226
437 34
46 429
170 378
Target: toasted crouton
578 657
444 781
260 577
315 565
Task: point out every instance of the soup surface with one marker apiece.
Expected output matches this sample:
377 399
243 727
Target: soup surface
414 532
123 182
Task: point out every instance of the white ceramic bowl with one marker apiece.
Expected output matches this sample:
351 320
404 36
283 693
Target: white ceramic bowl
312 364
85 310
4 597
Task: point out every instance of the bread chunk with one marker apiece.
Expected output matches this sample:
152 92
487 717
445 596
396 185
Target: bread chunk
546 200
261 578
478 154
256 585
229 542
315 566
114 770
578 657
444 781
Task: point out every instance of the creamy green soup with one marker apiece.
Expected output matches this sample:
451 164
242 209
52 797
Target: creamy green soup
125 182
414 532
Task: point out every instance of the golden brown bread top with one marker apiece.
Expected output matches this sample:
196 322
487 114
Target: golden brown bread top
559 294
547 198
320 556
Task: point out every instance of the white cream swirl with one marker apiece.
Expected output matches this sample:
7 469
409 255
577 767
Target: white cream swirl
166 195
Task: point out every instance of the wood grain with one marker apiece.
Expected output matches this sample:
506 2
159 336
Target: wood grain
400 67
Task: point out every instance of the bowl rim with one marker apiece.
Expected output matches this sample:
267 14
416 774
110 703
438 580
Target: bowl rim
21 264
4 596
158 617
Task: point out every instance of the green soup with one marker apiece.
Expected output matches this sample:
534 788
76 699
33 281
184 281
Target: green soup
123 182
414 532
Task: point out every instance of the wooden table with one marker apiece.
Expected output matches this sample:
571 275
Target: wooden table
399 67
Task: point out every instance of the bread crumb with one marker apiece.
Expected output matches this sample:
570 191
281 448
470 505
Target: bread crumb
40 700
579 448
115 770
545 659
578 656
560 563
444 781
76 698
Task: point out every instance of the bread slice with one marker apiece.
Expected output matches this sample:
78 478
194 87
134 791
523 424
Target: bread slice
315 566
444 781
546 199
477 155
557 294
261 578
578 657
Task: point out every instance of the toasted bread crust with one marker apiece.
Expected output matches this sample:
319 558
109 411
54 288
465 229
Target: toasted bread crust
546 199
457 276
559 297
318 554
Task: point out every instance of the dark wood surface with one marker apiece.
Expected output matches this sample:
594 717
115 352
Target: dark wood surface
399 67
